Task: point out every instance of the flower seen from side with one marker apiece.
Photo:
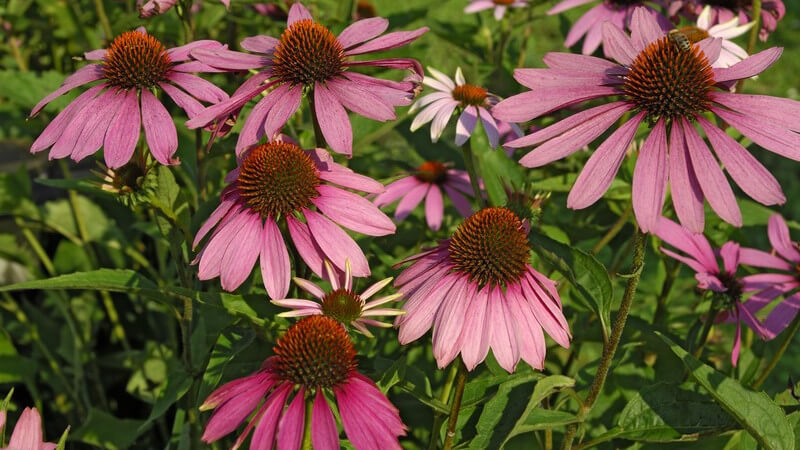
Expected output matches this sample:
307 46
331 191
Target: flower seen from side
499 6
112 113
343 303
279 184
478 291
427 182
314 362
308 57
27 434
673 103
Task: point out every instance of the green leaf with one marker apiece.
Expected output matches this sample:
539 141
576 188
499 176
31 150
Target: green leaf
408 379
588 276
667 412
58 215
501 413
178 383
754 411
106 431
498 173
619 190
536 418
229 343
80 185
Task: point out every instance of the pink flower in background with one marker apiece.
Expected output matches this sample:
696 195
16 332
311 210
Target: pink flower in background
427 183
590 25
477 291
152 8
112 113
731 52
280 183
500 6
343 303
472 101
27 433
308 55
317 357
673 103
723 279
772 11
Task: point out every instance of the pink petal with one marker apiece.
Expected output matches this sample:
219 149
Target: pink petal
362 30
86 74
259 44
617 45
159 129
476 329
532 347
532 104
306 246
764 132
353 211
91 138
686 194
598 173
650 178
730 257
645 29
28 431
426 301
57 126
691 243
298 12
264 434
213 252
578 129
434 207
286 103
466 124
502 332
199 88
448 321
572 61
396 189
241 253
230 60
758 258
753 65
360 100
333 120
324 435
781 241
411 200
352 180
292 424
276 269
565 5
182 53
388 41
123 132
336 244
783 314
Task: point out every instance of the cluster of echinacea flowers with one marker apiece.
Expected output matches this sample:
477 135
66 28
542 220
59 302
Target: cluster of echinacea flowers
112 113
280 183
739 297
152 8
498 6
731 53
478 291
473 103
672 102
27 434
590 25
314 360
309 57
343 303
427 182
772 11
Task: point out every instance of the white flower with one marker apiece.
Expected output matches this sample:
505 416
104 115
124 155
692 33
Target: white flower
731 53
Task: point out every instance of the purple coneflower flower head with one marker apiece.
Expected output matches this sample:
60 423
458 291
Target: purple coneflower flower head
472 102
343 303
27 434
280 183
152 8
477 291
731 52
427 183
722 279
500 6
673 103
317 357
590 25
111 114
772 11
308 55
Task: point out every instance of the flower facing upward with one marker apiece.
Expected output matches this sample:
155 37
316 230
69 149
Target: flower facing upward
478 291
722 11
278 183
500 6
343 303
427 183
731 53
473 101
672 89
308 55
111 113
315 356
27 433
590 25
762 288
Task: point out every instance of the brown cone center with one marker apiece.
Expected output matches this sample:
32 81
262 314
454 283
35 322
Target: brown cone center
307 53
135 60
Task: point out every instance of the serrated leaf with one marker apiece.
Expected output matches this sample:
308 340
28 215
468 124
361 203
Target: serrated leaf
754 411
588 276
667 412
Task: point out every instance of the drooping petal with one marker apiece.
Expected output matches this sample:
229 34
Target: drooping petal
753 65
159 129
466 124
264 434
336 244
687 197
86 74
475 331
275 266
353 211
650 178
292 424
502 332
411 200
778 233
306 246
282 109
123 132
434 207
324 435
333 120
241 253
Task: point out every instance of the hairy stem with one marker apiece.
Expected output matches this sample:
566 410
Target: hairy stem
461 381
438 418
610 348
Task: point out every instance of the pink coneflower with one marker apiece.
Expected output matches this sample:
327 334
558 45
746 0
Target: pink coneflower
27 433
308 55
427 183
343 303
722 280
478 291
731 52
772 11
317 357
472 101
278 183
671 89
500 6
111 114
776 284
152 8
590 25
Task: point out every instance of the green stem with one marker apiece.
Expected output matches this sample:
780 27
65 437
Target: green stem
438 418
307 443
616 334
461 381
777 356
751 42
104 22
709 323
614 230
469 164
